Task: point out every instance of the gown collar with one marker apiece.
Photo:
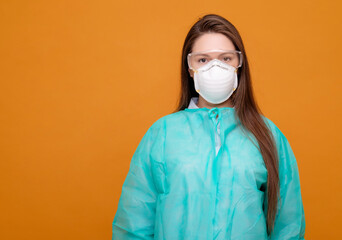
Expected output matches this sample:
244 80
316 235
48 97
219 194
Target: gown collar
212 112
193 103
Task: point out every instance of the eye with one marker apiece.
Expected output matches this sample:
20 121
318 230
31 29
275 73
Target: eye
226 58
202 60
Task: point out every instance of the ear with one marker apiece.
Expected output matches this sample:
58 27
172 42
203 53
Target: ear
191 72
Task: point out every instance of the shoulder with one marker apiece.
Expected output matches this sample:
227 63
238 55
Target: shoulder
158 128
154 138
277 133
170 119
283 146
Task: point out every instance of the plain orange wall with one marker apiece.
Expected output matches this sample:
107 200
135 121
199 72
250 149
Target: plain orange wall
82 81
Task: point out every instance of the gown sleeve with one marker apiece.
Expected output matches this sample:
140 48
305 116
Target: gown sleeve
135 214
290 218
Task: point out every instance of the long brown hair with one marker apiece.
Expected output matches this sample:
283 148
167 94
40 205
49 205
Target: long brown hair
246 109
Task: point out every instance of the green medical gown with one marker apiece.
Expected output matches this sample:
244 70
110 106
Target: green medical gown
178 188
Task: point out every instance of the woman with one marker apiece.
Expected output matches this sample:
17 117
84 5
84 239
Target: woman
216 168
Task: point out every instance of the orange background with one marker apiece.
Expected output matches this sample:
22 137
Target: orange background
82 81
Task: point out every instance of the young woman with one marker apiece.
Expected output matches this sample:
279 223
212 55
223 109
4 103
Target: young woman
216 168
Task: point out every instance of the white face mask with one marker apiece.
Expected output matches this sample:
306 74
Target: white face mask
216 81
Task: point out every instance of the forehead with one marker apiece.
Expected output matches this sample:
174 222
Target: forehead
209 41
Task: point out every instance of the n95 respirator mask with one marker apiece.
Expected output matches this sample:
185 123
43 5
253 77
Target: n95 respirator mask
216 81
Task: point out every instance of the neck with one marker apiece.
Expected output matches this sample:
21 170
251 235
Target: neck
203 103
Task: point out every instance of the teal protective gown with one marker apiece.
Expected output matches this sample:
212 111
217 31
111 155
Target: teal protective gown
178 187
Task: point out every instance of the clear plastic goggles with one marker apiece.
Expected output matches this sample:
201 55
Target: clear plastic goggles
199 59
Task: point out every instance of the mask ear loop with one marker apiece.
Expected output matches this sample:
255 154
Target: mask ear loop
195 71
236 77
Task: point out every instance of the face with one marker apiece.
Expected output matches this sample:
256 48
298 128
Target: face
210 41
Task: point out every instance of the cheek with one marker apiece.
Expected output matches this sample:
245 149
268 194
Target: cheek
191 73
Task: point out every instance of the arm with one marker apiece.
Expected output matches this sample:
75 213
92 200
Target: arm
290 219
135 214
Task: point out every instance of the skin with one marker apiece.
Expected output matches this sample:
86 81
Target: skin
209 41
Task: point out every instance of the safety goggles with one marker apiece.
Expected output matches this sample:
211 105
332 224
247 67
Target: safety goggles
199 59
